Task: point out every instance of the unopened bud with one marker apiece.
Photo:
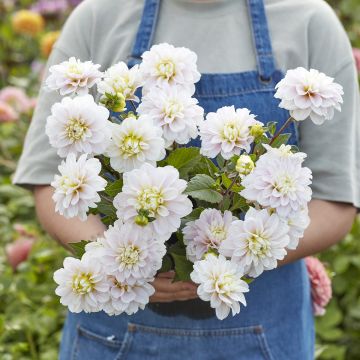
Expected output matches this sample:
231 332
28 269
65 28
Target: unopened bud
257 130
141 220
244 165
114 102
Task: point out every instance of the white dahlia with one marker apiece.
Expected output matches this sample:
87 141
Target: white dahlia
127 298
166 64
283 151
175 111
221 284
73 77
206 233
77 186
226 132
78 126
120 79
153 197
280 183
257 242
298 223
82 285
132 256
135 142
309 93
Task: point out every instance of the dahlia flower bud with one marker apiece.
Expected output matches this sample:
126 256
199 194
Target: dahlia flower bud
244 165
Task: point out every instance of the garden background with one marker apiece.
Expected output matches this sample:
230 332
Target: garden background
31 316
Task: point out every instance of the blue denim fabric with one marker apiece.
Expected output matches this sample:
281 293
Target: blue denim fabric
277 323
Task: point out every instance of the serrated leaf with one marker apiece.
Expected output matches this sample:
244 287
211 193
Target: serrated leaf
202 187
280 140
239 203
183 267
78 248
113 188
271 127
167 264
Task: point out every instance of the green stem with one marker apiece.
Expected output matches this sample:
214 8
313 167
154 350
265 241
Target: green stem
287 123
231 185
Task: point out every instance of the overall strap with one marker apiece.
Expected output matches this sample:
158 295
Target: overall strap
145 32
261 37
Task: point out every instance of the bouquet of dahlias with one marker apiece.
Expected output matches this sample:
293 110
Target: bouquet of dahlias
219 214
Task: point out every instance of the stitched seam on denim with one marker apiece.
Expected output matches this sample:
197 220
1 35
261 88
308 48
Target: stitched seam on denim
92 336
126 343
264 346
251 91
195 333
75 347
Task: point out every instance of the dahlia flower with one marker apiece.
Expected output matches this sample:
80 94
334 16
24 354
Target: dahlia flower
127 298
257 242
175 111
7 113
16 98
166 64
131 256
280 183
78 126
221 284
321 291
309 93
76 189
135 142
153 197
226 132
82 285
73 77
120 79
206 233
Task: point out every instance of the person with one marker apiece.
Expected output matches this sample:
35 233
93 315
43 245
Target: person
244 48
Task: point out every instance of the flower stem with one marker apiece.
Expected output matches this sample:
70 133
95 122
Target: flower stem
231 185
287 123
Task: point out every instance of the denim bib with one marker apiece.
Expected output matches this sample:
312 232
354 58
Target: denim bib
277 323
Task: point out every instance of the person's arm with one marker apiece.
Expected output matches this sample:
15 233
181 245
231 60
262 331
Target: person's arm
67 231
330 222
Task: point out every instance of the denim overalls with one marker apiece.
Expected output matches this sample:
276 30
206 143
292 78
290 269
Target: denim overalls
277 323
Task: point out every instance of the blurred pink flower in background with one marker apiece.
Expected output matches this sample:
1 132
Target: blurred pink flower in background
50 7
18 251
356 53
321 291
7 113
16 98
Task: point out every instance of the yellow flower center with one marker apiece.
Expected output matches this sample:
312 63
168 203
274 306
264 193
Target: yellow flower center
258 244
130 145
128 255
76 129
166 69
285 184
172 109
219 233
120 285
231 132
83 283
74 69
150 199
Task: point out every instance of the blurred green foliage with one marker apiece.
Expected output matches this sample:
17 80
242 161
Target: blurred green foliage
31 317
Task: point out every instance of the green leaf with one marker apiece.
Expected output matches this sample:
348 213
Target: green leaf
239 203
202 187
183 267
113 188
167 264
194 215
78 248
227 182
271 125
106 208
280 140
181 157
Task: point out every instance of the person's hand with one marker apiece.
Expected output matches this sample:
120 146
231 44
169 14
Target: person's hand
167 291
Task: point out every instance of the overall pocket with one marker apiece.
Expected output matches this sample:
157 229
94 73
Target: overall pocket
147 342
90 345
